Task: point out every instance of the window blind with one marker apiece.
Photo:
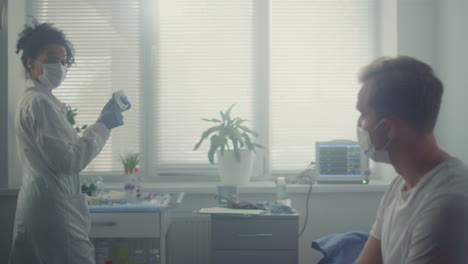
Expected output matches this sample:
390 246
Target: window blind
316 50
204 61
105 35
204 65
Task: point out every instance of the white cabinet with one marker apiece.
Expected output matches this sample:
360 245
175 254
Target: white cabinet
126 225
262 239
140 228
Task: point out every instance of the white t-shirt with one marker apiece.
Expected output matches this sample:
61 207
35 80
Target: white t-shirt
428 223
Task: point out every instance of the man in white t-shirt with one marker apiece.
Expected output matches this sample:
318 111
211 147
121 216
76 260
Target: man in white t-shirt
423 216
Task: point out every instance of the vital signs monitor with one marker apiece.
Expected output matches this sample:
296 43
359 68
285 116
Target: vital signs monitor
341 161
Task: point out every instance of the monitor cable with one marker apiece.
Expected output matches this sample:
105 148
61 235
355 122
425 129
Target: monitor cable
237 205
311 174
307 210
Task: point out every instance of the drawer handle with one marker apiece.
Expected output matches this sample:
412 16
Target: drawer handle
104 223
255 235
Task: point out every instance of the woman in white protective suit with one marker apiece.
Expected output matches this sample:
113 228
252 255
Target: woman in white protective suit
52 221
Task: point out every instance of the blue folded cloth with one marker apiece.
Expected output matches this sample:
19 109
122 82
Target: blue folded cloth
341 248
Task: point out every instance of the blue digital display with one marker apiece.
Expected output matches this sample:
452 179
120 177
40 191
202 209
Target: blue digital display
339 160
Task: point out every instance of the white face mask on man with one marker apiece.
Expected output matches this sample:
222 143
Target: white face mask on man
377 155
53 75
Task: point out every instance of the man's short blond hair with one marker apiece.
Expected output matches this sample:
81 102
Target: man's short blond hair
406 88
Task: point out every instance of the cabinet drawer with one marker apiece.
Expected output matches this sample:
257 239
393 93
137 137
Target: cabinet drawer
254 233
254 257
125 225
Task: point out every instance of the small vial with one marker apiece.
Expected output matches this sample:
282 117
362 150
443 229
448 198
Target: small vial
281 193
118 99
139 257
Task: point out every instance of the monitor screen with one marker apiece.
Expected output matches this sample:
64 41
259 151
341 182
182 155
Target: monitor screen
340 161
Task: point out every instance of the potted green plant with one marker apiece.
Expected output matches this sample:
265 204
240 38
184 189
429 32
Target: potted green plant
130 161
232 141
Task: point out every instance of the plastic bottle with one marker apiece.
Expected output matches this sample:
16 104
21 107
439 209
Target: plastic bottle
154 257
99 185
102 251
138 190
281 193
92 189
139 257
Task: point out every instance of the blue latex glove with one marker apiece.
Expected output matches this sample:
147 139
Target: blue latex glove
111 119
112 106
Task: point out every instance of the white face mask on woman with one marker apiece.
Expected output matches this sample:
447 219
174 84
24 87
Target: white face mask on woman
377 155
53 75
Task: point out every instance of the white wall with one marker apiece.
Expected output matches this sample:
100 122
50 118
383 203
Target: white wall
16 85
435 32
10 76
387 27
3 103
453 62
12 85
418 30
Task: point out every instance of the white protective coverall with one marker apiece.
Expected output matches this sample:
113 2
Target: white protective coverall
52 222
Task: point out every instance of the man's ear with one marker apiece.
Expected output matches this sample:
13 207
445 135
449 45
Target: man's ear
392 126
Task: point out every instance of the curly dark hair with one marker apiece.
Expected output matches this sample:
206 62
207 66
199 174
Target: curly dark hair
33 39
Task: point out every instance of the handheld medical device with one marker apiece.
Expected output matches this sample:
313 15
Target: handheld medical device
118 95
341 161
226 195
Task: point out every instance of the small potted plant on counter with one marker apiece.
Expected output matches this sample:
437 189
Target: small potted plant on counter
132 186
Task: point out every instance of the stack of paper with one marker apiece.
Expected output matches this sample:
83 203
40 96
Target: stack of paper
223 210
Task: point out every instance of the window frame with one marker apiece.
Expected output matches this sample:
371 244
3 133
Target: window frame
261 74
261 83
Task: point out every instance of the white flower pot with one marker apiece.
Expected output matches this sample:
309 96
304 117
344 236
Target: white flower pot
233 172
